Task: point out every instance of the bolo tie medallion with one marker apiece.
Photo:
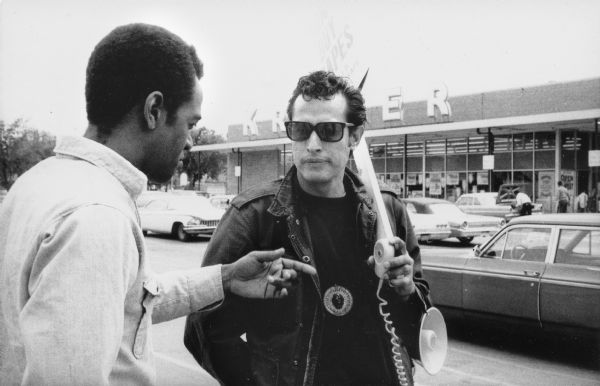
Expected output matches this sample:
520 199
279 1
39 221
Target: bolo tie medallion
337 300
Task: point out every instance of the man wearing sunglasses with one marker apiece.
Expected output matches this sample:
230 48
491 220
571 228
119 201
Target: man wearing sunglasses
328 331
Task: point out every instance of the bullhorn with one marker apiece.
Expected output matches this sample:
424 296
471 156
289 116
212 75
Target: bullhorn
433 341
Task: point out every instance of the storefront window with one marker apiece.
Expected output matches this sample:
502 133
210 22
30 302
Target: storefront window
414 156
475 162
456 184
502 143
395 149
395 157
523 141
377 150
478 147
544 180
414 184
499 178
457 154
525 179
502 161
478 144
456 168
377 153
523 160
570 143
585 139
523 151
434 185
456 162
545 159
545 140
503 152
395 181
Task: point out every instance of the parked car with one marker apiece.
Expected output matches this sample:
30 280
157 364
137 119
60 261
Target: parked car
487 204
542 271
426 227
182 216
221 200
465 227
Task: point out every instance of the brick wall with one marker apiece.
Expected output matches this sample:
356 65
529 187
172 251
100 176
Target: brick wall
258 167
552 98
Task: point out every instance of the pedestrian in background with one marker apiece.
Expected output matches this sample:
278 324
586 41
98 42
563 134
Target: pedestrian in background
77 296
581 202
563 198
523 204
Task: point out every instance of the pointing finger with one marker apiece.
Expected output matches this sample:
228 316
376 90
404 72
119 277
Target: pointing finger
267 256
298 266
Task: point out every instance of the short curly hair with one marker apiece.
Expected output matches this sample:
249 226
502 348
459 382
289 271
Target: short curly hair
131 62
324 85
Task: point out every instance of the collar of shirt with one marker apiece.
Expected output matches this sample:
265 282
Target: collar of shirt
132 179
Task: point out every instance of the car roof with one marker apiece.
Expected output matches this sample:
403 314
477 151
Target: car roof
591 219
426 200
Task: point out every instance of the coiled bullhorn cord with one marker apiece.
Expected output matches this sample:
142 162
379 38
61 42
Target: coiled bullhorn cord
394 340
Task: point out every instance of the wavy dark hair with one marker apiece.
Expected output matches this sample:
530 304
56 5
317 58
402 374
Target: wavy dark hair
324 85
131 62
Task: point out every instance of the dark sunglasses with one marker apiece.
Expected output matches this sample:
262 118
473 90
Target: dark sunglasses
327 131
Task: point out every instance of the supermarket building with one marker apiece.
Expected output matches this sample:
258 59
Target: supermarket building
442 148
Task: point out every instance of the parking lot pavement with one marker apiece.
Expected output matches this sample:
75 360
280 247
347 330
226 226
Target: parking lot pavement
175 366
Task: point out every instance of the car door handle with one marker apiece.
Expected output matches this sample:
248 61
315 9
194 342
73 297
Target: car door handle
531 273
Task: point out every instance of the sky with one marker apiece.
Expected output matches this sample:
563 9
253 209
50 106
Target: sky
255 51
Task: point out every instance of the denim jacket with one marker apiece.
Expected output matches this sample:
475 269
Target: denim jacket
282 337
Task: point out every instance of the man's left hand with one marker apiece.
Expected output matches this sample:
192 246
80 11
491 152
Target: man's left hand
399 269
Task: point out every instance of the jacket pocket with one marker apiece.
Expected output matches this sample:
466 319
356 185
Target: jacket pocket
151 290
264 369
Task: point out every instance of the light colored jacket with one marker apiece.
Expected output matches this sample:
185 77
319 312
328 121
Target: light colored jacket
563 194
77 296
581 201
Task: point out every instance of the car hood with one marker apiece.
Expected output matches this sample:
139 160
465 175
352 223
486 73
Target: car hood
204 214
208 214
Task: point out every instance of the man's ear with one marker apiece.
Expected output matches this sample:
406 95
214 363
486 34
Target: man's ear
355 136
154 109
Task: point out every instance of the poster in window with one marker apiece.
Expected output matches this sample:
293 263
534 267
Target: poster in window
411 179
482 178
545 184
568 179
435 184
452 178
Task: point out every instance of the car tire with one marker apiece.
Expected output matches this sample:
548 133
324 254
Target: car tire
179 232
465 240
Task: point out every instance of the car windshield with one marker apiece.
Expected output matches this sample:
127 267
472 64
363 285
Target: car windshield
446 209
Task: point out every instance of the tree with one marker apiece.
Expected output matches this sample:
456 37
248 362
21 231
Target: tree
200 164
21 147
